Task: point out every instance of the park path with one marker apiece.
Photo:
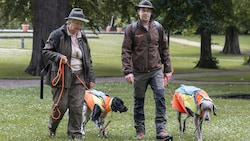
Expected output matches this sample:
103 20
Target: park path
193 43
175 79
198 44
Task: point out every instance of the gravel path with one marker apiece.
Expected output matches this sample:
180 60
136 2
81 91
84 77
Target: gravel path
176 79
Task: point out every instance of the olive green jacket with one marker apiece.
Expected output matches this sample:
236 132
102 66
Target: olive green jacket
58 44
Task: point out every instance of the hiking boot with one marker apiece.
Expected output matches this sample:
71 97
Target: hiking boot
52 134
164 136
140 136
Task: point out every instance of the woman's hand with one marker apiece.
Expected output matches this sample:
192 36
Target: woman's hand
64 59
91 85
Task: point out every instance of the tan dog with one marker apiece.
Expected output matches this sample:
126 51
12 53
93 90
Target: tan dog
194 102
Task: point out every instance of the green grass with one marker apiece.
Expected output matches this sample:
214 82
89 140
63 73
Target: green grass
25 117
16 43
245 77
219 40
106 55
14 62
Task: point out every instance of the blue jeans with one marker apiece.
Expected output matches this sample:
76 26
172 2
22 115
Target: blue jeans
141 81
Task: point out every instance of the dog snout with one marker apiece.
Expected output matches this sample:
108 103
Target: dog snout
206 118
125 109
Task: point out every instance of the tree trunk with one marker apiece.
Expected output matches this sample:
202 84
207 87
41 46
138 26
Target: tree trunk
48 15
206 59
232 41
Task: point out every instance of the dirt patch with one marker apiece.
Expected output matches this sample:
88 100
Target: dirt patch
233 96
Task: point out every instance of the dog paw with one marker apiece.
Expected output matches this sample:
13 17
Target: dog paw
105 135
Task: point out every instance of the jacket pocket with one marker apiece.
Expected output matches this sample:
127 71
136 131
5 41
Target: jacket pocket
51 75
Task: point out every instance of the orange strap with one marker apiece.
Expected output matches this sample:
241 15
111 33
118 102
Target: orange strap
103 129
55 81
86 87
167 84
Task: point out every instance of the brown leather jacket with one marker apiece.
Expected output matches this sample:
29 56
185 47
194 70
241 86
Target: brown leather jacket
53 52
143 55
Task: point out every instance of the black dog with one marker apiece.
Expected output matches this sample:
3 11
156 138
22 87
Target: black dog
96 107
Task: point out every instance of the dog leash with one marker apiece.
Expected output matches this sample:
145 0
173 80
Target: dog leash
169 90
199 125
55 81
167 84
168 87
103 129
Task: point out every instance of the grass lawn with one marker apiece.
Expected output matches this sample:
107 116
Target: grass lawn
106 55
25 117
219 40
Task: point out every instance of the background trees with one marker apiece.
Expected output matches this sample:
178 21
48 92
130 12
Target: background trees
48 15
206 17
191 14
13 13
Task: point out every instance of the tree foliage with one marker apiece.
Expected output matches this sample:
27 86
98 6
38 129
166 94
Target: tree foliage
241 13
186 14
15 12
100 12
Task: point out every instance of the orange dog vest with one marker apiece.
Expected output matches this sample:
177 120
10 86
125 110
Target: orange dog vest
104 102
182 101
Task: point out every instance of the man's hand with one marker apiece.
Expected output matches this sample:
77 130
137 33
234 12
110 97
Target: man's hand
167 77
130 78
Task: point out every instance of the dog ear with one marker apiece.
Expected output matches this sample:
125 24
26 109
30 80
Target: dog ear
199 108
115 104
96 113
214 109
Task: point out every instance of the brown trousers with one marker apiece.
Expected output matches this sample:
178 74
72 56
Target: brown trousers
72 99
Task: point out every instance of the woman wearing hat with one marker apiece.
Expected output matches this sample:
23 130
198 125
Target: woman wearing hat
142 66
69 45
